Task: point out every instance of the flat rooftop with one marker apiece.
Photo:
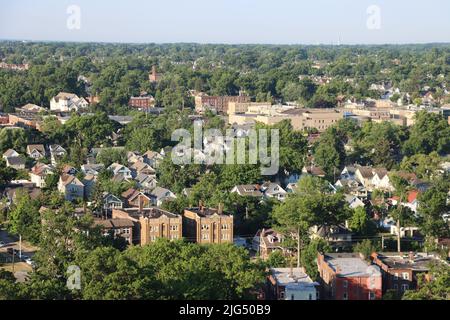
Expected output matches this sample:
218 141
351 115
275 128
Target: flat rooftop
420 262
206 212
288 276
349 265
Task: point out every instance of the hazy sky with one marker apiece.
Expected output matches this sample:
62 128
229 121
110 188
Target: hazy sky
229 21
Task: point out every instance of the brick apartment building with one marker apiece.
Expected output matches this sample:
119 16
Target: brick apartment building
151 223
204 102
346 276
400 271
156 223
142 102
118 228
207 225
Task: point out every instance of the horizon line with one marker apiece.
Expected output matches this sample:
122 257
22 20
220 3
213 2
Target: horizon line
224 43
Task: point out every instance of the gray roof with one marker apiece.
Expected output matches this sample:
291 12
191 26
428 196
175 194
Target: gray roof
350 265
288 276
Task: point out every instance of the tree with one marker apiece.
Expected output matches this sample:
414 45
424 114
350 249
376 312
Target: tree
309 256
310 205
276 259
360 220
433 207
429 133
365 247
329 152
24 217
436 288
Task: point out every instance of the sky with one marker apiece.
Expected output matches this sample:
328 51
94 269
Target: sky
227 21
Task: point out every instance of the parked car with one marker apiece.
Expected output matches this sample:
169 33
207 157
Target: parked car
2 244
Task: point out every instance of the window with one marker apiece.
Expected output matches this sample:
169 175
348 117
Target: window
292 297
405 275
205 227
371 295
153 238
224 227
282 295
174 227
345 296
345 284
205 236
310 296
405 287
396 276
225 236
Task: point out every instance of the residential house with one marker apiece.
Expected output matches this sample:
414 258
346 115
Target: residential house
364 176
273 190
352 187
120 169
111 202
56 153
36 151
117 228
67 102
158 195
207 225
89 182
145 181
314 171
354 202
266 241
348 173
39 173
339 237
10 153
17 163
400 271
347 276
153 158
92 169
411 202
71 187
291 284
248 190
140 167
135 198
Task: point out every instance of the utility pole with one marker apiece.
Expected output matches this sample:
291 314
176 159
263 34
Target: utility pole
382 243
398 236
20 246
298 248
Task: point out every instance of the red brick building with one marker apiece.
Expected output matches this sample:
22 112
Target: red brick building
400 271
142 102
346 276
218 103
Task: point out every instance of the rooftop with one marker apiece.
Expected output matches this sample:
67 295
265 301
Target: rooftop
349 265
288 276
419 261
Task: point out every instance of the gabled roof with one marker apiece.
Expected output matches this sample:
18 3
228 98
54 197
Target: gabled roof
38 147
10 153
69 179
250 190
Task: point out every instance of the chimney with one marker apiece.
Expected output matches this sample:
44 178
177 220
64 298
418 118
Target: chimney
411 257
141 204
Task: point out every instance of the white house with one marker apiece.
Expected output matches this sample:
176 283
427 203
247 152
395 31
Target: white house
354 202
120 169
71 187
292 284
273 190
39 172
66 102
36 151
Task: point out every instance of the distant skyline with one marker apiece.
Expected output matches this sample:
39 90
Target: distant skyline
227 21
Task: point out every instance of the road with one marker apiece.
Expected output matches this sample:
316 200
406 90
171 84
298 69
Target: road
12 242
